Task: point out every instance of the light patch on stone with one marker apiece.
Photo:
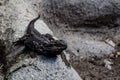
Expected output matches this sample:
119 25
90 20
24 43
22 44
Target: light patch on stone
110 42
42 27
67 56
108 64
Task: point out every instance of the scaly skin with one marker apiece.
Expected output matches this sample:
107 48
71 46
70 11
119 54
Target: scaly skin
41 43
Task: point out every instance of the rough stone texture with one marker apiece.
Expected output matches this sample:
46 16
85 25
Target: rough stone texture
14 18
43 68
80 12
84 24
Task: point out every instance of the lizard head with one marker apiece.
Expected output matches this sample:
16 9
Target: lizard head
62 44
55 48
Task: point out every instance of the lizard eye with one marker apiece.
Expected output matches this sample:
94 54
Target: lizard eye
62 42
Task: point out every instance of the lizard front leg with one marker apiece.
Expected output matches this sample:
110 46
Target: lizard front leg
21 40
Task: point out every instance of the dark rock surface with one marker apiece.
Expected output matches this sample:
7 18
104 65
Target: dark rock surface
82 12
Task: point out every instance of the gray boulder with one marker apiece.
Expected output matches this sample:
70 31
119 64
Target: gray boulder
14 17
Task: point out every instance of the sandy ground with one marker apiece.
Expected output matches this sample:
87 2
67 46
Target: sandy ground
93 68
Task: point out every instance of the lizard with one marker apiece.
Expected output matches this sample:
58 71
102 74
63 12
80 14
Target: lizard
43 44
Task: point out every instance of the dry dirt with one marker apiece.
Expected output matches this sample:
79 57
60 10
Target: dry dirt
93 68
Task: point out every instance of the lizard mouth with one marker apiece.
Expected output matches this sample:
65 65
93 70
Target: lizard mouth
57 43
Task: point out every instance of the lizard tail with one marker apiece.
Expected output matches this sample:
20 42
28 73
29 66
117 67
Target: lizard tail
34 20
31 24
